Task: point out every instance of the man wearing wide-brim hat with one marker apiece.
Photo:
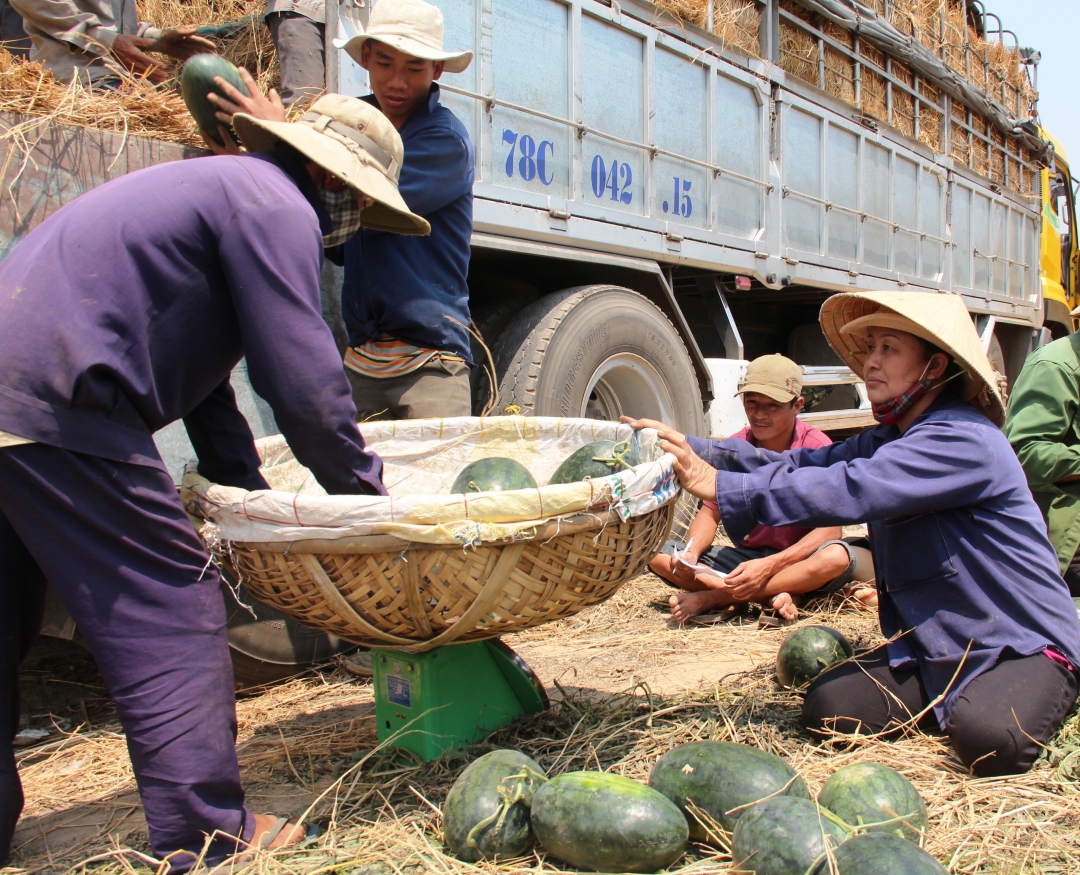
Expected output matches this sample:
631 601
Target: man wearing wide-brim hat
406 300
983 642
126 311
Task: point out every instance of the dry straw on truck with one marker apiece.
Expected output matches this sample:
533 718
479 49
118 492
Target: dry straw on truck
831 57
812 48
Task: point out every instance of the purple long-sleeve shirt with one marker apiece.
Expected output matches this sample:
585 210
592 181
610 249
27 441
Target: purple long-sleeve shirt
128 309
960 548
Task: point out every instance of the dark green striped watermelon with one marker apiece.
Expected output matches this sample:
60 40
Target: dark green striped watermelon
807 652
720 776
598 459
877 854
783 836
494 474
607 823
197 80
489 790
869 793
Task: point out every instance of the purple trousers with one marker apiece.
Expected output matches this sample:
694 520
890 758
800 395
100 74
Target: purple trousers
113 540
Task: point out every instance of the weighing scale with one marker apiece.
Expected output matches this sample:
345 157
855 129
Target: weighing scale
451 697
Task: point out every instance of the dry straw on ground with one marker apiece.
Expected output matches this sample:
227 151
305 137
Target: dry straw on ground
314 737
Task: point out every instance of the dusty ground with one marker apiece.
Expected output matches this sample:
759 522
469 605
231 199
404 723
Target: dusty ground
627 686
80 792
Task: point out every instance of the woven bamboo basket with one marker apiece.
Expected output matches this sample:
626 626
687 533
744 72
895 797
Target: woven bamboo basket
381 591
389 591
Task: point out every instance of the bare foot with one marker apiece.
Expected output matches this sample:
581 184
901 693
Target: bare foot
689 604
786 606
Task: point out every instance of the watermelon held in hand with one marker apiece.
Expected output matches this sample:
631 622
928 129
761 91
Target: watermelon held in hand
197 80
783 836
494 474
807 652
598 459
872 797
486 813
723 780
877 854
607 823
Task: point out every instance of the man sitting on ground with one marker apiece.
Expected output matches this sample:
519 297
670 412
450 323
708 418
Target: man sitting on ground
772 566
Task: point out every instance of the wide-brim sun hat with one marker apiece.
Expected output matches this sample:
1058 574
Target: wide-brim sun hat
413 27
941 319
356 143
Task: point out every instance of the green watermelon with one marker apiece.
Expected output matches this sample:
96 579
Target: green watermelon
807 652
782 836
720 776
489 804
197 80
607 823
494 474
598 459
869 793
877 854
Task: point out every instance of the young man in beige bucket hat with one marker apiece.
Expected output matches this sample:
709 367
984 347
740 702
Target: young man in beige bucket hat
195 264
406 300
773 565
983 642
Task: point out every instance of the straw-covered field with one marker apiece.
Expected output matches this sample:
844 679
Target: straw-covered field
308 747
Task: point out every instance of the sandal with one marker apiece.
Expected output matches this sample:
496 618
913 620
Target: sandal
770 618
263 842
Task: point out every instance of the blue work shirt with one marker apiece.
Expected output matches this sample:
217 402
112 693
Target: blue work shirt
128 309
406 286
960 548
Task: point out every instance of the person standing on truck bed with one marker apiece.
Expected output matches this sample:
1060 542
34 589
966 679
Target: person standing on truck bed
298 29
121 313
100 41
405 299
774 566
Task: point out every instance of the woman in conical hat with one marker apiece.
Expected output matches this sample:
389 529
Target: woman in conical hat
984 638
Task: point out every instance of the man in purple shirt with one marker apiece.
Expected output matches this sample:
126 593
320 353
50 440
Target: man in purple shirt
121 313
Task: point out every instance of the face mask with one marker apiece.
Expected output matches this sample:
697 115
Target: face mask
344 213
891 412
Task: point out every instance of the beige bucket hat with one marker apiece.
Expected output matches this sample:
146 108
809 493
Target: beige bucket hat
410 26
352 140
775 376
941 319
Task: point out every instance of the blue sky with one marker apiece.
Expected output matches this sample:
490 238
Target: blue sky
1052 27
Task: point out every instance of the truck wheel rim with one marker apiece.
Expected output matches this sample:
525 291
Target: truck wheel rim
626 384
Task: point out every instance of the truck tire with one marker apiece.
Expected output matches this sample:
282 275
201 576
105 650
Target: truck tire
271 645
599 352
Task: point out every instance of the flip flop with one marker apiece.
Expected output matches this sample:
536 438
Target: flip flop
262 843
770 618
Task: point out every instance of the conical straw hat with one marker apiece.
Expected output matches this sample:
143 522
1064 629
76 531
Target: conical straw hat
941 319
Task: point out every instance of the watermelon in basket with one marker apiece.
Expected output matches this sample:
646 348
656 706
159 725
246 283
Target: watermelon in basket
423 567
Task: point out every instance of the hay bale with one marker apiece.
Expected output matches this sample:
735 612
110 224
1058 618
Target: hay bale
251 47
903 104
738 22
136 107
798 49
930 118
872 84
734 21
997 157
691 11
839 68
